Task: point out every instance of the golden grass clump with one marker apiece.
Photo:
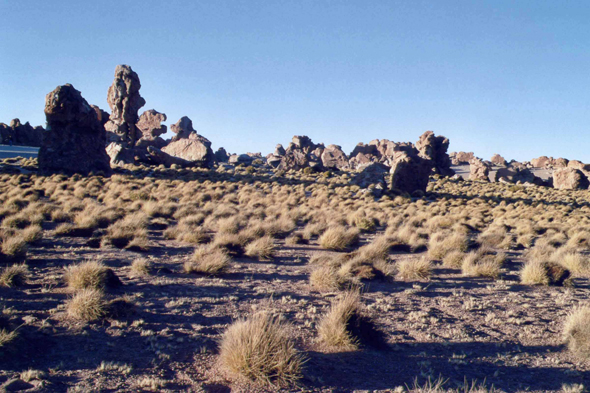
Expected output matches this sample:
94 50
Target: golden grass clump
334 328
482 263
576 263
14 247
414 269
14 276
87 305
540 272
141 267
262 248
576 331
442 243
339 238
454 259
90 275
260 350
325 278
208 260
6 336
32 234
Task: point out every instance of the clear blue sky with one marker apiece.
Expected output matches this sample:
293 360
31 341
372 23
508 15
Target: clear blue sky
508 77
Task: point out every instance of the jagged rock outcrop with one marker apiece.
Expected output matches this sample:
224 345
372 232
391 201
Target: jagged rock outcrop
302 153
435 148
382 151
103 116
510 175
372 176
560 163
279 150
125 101
479 170
75 139
334 158
410 172
21 134
195 148
541 162
570 179
240 159
498 160
575 164
183 128
461 158
150 124
221 155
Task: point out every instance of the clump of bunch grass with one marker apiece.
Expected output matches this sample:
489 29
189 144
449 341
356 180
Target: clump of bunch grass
90 275
541 272
260 350
208 260
414 269
454 259
483 263
339 238
345 328
14 247
442 243
14 276
576 331
87 305
262 248
141 267
6 336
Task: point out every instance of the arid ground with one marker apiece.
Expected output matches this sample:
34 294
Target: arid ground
453 286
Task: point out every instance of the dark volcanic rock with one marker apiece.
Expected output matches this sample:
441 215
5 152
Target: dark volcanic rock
410 172
125 101
435 148
21 134
570 179
183 128
334 158
75 140
221 155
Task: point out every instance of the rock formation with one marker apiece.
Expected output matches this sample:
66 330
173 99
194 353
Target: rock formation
461 158
302 153
382 151
124 100
410 172
190 146
498 160
75 139
221 155
372 176
570 179
478 170
575 164
334 158
435 148
541 162
21 134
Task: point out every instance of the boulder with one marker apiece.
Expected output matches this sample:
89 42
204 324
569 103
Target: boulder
125 101
372 173
21 134
221 155
410 172
119 154
435 148
334 158
75 140
560 163
541 162
498 160
161 158
103 116
575 164
150 124
461 158
240 159
183 128
382 151
570 179
513 176
279 150
195 149
478 170
273 160
302 153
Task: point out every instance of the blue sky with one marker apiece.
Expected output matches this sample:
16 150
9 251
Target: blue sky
508 77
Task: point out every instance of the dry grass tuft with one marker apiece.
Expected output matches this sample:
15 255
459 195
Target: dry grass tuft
576 331
260 350
87 305
14 247
325 278
334 328
141 267
454 259
262 248
339 238
208 260
539 272
7 336
412 269
14 276
482 263
90 275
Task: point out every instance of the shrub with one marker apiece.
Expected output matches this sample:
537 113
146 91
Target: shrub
576 331
412 269
208 260
14 276
339 238
538 272
325 278
14 247
141 267
87 305
90 275
262 248
260 350
454 259
32 234
482 264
